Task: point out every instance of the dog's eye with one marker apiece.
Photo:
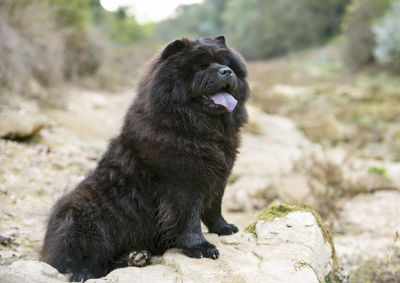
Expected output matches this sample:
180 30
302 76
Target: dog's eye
202 60
224 60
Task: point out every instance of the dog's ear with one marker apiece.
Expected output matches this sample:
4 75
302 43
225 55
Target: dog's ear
220 39
172 48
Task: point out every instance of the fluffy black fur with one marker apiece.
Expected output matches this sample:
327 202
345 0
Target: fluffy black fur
164 173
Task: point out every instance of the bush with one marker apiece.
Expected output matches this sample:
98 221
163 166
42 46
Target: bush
359 38
194 21
387 33
84 54
258 28
265 28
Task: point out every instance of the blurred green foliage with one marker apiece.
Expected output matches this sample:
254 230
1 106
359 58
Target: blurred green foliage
259 28
377 170
90 33
262 29
45 43
357 26
124 28
56 40
81 15
73 13
194 21
386 31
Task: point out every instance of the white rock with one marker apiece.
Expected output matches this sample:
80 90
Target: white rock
293 189
287 249
263 158
371 223
194 270
30 271
294 247
152 273
249 192
393 172
297 188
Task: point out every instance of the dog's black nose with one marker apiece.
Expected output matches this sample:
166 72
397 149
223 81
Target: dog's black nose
225 71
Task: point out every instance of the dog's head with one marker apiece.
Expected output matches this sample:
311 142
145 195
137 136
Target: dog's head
204 75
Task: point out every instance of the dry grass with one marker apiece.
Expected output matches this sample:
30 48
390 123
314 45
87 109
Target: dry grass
364 106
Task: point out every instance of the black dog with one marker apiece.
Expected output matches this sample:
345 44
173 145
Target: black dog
164 173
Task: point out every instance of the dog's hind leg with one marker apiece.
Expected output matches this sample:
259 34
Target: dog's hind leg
139 259
77 244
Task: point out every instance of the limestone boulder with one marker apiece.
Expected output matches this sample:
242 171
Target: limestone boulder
285 244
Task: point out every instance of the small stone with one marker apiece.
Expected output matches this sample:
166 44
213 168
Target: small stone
6 239
20 125
9 254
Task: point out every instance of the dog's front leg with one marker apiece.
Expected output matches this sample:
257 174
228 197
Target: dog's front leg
212 217
190 238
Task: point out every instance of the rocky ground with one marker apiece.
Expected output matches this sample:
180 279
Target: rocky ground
284 158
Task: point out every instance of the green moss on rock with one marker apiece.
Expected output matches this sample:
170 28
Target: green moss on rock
272 212
278 211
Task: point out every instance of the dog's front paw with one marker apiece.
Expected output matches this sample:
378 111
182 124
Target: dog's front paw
81 275
223 229
203 250
139 259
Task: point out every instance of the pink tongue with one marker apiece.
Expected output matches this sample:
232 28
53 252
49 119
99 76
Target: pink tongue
226 100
